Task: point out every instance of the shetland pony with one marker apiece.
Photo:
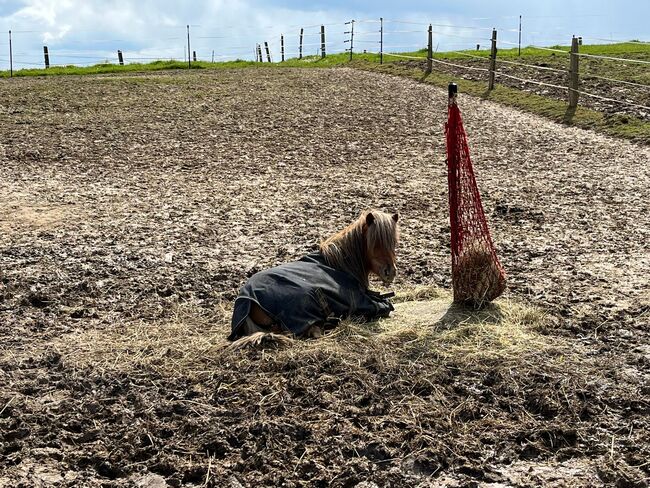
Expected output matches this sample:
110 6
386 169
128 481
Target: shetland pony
302 298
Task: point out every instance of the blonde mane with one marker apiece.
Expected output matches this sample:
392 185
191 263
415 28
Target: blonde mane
347 250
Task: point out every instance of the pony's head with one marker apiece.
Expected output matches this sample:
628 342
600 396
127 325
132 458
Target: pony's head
381 234
366 246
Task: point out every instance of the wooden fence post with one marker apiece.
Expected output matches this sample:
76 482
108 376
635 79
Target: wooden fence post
381 40
493 60
268 53
351 40
11 58
120 57
189 59
322 41
430 51
519 53
282 47
300 46
573 74
46 55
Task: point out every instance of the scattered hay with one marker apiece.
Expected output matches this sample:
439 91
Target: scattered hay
21 214
185 344
434 368
507 331
262 340
193 341
419 293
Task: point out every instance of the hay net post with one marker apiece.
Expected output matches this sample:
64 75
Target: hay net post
477 275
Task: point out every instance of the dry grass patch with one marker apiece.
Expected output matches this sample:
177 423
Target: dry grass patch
19 215
507 330
187 343
425 325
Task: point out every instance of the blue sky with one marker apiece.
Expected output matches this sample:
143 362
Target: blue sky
90 31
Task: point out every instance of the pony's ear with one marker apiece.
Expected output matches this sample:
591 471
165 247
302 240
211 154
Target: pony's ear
370 219
395 217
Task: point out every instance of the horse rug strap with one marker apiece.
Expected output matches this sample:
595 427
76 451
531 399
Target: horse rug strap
307 292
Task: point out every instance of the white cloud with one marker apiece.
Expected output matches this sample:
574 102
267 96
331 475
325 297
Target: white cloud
93 30
148 28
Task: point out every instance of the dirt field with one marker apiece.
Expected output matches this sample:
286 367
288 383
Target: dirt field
133 207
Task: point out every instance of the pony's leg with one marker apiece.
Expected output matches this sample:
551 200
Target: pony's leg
259 316
250 327
314 332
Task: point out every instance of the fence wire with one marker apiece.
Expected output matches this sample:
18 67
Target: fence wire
528 80
626 60
543 68
630 83
631 104
333 46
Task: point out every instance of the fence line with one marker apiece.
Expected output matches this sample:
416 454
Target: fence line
643 43
462 37
631 104
403 32
631 83
473 68
627 60
538 47
543 68
400 46
562 51
421 58
573 71
289 46
453 26
528 80
470 55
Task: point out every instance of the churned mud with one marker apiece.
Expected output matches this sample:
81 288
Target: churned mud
133 207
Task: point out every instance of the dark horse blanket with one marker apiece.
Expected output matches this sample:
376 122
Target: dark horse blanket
306 292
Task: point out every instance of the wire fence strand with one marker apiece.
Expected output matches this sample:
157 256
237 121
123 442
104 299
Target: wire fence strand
626 60
543 68
630 83
527 80
399 30
631 104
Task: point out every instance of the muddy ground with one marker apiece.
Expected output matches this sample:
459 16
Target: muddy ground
127 202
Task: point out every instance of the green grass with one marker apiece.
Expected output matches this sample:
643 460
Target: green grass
635 72
621 49
127 68
308 61
618 125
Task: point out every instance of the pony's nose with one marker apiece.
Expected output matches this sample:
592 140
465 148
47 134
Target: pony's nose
389 274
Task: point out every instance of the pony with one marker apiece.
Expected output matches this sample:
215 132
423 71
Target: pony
303 298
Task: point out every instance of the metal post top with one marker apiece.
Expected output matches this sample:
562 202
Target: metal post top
453 89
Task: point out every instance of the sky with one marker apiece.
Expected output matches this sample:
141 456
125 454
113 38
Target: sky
91 31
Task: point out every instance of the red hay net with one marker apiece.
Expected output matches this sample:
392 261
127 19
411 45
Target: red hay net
477 276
